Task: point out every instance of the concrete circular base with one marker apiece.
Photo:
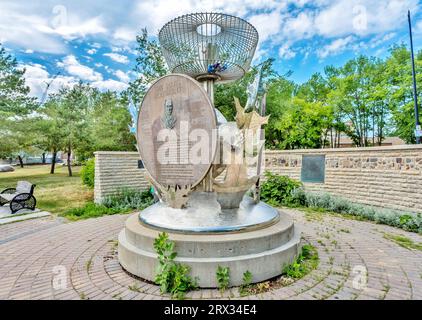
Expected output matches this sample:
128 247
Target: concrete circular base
263 252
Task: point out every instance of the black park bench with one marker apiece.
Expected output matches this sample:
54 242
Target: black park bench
21 197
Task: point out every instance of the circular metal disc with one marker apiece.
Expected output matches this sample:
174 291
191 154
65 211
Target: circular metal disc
176 128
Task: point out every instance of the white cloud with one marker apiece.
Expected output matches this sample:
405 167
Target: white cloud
75 68
37 78
74 28
338 20
110 84
260 55
380 39
29 51
155 13
125 34
122 76
286 52
299 27
335 47
95 45
23 30
44 27
267 24
418 28
366 17
117 57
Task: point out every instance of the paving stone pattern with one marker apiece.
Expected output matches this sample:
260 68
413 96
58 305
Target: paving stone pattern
50 258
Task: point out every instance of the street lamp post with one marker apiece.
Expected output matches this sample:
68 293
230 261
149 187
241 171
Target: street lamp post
415 93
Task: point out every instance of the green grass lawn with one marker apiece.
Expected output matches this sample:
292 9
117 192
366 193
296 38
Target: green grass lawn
56 192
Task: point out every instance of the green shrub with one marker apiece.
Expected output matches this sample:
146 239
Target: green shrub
395 218
90 210
88 173
129 199
172 277
318 200
281 190
122 202
223 277
298 197
410 223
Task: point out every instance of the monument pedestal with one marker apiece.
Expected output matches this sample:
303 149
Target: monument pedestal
262 250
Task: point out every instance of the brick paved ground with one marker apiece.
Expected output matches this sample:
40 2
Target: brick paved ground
34 253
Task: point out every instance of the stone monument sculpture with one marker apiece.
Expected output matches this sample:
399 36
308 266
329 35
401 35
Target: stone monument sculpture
203 166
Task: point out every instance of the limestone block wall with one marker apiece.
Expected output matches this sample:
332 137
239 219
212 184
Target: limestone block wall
114 170
388 177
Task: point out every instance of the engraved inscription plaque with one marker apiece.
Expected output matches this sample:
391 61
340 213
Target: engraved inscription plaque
313 168
140 164
176 124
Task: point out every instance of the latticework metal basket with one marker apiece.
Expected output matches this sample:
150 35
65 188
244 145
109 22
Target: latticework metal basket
209 45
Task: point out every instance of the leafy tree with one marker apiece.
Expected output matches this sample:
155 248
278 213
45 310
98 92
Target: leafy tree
398 74
315 89
279 99
66 122
303 125
354 100
380 103
51 136
16 108
109 121
150 65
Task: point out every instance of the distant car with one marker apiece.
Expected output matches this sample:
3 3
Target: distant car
6 168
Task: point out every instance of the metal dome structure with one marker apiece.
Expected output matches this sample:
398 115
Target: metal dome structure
209 46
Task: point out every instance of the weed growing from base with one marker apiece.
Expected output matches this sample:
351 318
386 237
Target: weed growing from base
223 277
172 277
247 280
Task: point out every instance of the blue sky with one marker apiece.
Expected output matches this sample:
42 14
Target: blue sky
94 40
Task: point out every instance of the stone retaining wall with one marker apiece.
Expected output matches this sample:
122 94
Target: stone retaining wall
389 177
382 176
114 170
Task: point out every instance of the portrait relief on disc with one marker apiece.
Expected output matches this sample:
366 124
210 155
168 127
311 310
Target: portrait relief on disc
176 124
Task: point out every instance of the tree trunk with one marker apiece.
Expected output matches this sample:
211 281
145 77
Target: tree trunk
69 166
20 161
324 142
373 126
43 158
338 139
53 162
381 126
